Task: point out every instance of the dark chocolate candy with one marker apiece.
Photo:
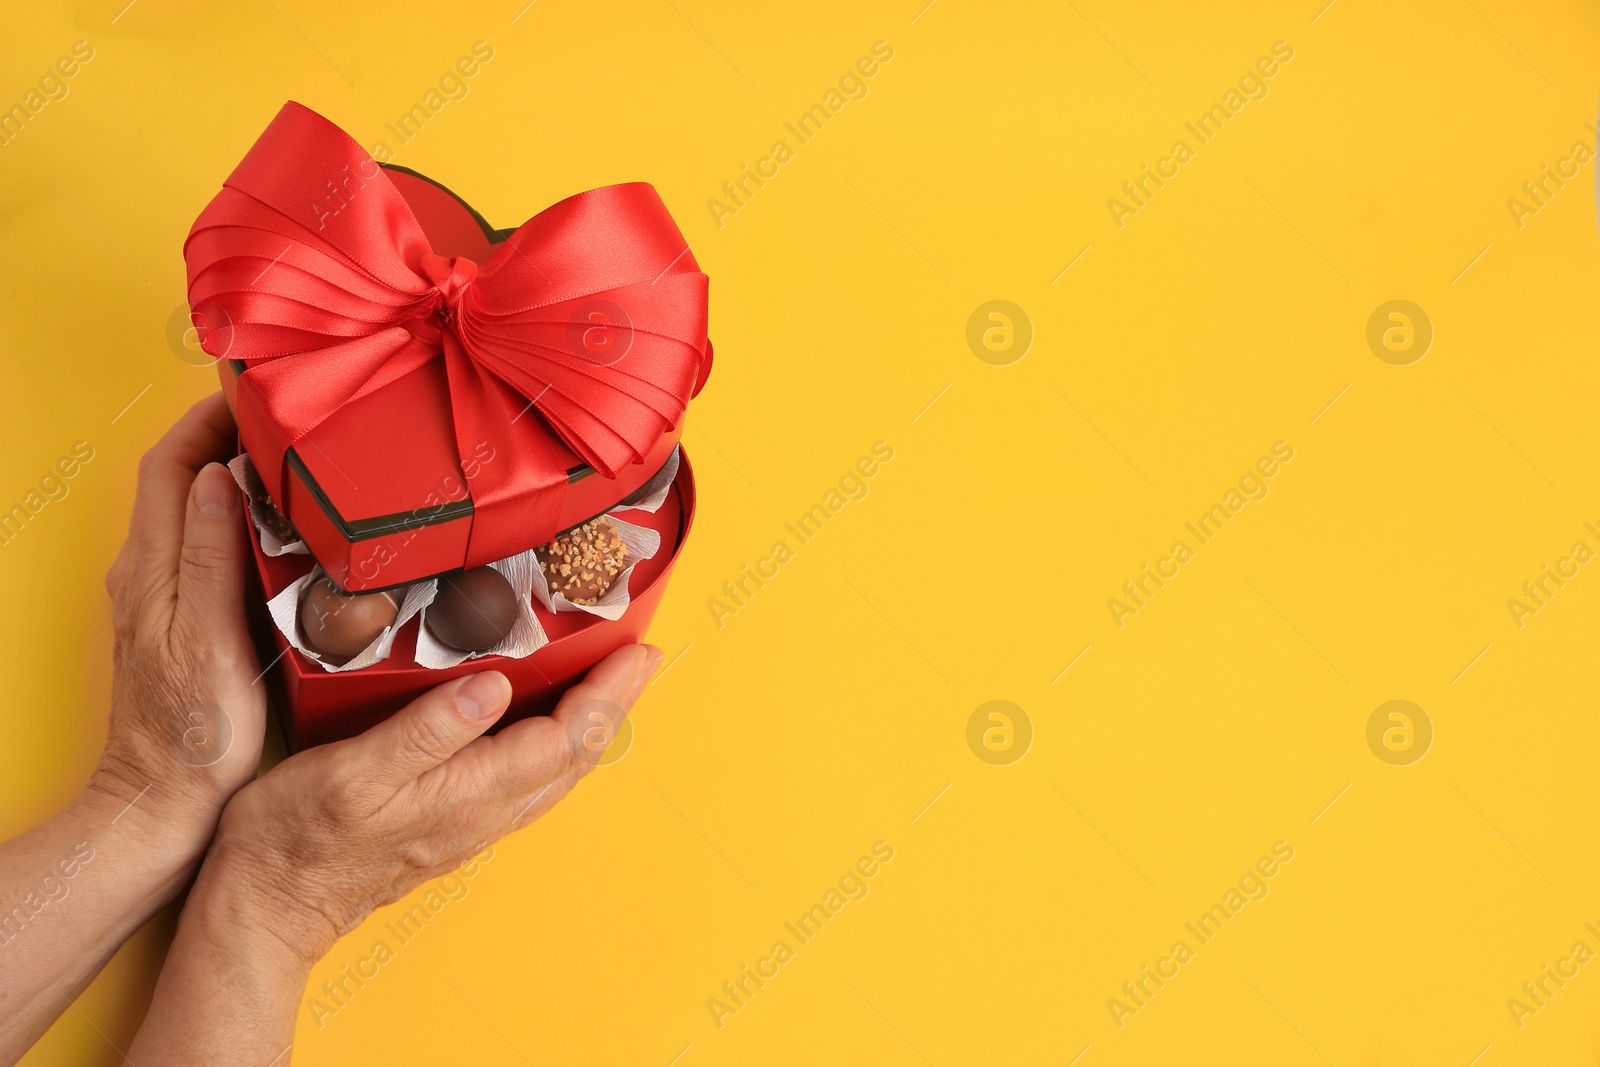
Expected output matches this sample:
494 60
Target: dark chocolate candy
473 610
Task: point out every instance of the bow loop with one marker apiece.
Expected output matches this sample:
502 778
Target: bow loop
593 313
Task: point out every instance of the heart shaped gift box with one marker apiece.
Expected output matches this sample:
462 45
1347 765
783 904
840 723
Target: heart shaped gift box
422 393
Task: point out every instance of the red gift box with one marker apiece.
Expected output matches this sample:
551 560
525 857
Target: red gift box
316 706
421 392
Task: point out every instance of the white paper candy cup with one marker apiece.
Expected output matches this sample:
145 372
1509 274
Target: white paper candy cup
653 493
285 611
642 544
249 481
526 636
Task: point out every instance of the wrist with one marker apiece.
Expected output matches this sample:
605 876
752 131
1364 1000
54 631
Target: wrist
233 917
100 834
260 904
230 988
175 818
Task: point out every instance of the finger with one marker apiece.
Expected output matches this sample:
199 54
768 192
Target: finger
166 472
616 680
211 563
430 729
529 754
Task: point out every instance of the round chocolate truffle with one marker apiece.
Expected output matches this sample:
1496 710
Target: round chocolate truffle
474 610
337 626
582 563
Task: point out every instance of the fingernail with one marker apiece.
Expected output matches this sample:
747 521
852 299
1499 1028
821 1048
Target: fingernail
483 696
215 492
652 659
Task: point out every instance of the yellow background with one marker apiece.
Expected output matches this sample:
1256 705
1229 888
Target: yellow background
827 713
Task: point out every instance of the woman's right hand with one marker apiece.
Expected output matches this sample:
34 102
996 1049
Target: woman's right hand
308 850
332 833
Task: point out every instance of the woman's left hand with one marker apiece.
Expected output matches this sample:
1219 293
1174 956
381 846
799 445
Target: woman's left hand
187 705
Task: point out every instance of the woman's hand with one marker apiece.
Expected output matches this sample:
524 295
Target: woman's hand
187 713
312 847
187 706
336 831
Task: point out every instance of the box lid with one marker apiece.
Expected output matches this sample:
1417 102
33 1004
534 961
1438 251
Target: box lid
402 365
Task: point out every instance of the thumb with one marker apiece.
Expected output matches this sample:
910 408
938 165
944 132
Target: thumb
211 564
432 728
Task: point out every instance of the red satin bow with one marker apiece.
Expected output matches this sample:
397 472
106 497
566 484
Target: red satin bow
327 298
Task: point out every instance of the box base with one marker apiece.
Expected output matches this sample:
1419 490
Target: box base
316 706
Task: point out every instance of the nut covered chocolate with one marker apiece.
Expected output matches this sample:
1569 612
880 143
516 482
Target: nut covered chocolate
276 521
582 563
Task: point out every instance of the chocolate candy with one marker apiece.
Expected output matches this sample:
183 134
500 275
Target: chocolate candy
275 520
474 610
264 510
582 563
338 626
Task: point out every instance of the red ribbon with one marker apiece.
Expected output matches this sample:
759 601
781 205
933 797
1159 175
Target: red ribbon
325 306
